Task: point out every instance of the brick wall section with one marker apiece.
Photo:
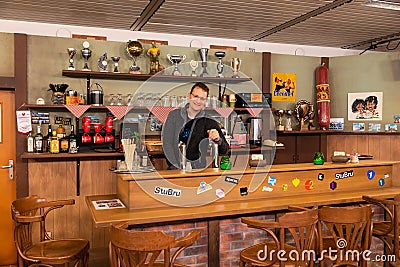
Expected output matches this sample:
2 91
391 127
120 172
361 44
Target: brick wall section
196 255
235 236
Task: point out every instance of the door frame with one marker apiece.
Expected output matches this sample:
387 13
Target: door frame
19 83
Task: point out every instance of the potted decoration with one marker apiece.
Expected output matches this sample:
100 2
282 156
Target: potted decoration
225 163
319 158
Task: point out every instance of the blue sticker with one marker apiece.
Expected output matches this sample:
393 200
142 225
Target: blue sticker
333 185
370 174
271 180
381 182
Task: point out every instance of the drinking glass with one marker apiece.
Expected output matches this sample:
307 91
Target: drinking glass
111 100
119 100
165 101
129 99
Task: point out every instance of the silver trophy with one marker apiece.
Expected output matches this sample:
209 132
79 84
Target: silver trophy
280 113
176 59
220 67
102 62
203 55
115 60
71 54
235 64
288 125
86 54
194 64
134 49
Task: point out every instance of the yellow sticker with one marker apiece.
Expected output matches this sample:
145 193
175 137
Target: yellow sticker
296 182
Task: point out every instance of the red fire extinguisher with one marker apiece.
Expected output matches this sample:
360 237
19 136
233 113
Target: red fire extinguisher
323 96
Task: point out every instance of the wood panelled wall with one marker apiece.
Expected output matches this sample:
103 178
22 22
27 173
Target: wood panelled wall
56 179
381 146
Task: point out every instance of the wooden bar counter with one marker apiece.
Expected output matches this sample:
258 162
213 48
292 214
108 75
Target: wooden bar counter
212 194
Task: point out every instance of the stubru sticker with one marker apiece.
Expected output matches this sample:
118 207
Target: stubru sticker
321 176
343 175
158 190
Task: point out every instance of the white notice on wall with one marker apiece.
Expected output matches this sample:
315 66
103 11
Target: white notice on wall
108 204
24 125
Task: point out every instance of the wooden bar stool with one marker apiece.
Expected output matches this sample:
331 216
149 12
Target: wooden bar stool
130 248
344 229
32 211
388 230
296 232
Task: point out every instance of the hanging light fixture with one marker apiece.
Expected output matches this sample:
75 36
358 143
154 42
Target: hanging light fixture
383 4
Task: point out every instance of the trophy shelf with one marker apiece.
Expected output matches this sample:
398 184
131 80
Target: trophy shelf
143 77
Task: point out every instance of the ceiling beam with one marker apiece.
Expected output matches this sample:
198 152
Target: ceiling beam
371 41
146 14
299 19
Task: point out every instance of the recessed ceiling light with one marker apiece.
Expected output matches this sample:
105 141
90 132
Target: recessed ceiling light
383 4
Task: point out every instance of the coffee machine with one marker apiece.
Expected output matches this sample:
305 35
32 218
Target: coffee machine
254 130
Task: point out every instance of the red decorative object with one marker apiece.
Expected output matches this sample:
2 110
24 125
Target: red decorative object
323 96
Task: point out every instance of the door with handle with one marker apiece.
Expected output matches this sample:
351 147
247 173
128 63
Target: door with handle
7 179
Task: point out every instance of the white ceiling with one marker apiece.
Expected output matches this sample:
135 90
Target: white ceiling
301 22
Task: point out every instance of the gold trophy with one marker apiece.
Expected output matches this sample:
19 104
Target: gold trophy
303 110
134 49
71 54
235 64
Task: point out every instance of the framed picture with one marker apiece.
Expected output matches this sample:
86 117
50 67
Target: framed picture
364 106
336 124
283 87
374 127
358 127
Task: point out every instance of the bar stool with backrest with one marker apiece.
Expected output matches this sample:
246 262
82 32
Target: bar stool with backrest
296 233
131 248
388 230
344 230
34 246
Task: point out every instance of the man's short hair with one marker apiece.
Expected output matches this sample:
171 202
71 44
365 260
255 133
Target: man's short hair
202 86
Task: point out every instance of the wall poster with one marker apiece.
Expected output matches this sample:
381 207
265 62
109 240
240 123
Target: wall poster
283 87
364 106
1 123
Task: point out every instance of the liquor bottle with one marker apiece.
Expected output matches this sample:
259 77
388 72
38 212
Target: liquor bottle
38 140
54 144
47 140
73 141
64 143
29 143
60 131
